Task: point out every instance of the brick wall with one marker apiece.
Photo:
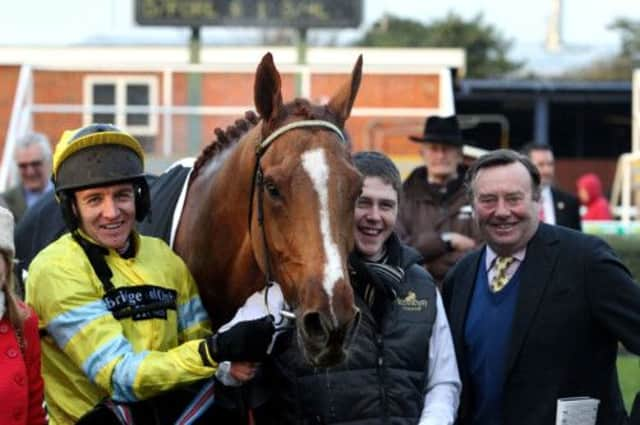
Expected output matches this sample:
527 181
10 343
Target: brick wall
8 83
226 89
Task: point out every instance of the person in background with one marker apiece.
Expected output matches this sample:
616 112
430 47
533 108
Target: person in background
435 216
401 366
537 313
21 386
556 206
591 197
33 159
123 327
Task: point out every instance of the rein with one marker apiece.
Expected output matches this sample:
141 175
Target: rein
258 183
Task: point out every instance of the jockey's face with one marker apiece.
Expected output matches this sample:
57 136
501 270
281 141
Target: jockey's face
107 214
375 216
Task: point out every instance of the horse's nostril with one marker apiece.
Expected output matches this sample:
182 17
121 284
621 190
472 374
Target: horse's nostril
313 326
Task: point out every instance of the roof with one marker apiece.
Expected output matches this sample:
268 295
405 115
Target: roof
595 91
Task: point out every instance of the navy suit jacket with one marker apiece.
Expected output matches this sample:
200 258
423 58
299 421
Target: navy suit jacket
567 209
576 301
15 201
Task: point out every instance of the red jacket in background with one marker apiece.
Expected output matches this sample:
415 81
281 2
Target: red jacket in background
597 205
21 385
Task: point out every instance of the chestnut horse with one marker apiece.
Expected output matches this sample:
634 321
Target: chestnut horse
275 204
278 205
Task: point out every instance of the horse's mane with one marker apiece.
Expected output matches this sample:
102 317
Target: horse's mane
233 133
225 138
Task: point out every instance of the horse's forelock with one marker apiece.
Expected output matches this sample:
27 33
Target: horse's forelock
301 109
307 110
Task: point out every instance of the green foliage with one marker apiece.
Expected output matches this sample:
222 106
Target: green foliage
616 68
629 36
619 66
486 48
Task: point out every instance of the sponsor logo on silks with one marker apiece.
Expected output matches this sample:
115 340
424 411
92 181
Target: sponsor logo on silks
412 303
140 302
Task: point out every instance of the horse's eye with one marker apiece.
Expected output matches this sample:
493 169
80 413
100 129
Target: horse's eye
272 190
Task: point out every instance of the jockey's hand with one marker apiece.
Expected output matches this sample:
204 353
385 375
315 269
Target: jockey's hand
243 371
245 341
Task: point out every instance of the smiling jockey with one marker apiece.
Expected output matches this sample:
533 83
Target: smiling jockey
120 315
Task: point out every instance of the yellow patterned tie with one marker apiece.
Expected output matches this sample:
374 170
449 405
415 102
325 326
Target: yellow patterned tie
500 278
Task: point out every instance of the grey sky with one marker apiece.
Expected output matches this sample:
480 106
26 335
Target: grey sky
62 22
72 21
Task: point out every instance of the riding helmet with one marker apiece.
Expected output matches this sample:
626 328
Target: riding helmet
98 155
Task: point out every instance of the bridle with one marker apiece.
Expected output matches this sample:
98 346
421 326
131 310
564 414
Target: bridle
258 184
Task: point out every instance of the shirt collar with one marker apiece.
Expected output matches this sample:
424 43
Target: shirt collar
47 187
545 191
491 256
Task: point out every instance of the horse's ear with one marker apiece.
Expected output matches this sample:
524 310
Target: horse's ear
266 90
342 101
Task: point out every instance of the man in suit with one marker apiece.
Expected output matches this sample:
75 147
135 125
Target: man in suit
537 313
33 159
556 206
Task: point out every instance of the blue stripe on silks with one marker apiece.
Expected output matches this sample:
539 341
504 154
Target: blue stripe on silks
191 313
65 325
116 347
124 376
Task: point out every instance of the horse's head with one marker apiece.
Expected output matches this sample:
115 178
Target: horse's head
305 193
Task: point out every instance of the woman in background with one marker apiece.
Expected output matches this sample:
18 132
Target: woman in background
21 386
590 195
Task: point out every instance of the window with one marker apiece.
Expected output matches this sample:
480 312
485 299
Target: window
123 101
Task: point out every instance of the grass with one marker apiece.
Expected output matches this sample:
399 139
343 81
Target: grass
629 374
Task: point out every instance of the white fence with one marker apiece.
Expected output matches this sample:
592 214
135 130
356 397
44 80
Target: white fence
625 194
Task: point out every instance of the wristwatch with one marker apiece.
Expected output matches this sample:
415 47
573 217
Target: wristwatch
446 238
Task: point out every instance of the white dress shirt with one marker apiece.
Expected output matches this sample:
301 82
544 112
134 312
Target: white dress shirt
443 380
546 203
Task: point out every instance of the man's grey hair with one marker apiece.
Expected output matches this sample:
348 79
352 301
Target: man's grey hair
36 139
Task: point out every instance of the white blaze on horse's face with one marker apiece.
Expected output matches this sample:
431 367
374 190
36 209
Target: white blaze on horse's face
315 164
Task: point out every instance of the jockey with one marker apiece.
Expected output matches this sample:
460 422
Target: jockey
121 321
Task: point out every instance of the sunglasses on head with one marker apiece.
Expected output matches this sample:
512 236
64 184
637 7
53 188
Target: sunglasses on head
32 164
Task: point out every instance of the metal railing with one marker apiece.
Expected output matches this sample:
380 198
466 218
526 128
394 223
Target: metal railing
626 186
625 193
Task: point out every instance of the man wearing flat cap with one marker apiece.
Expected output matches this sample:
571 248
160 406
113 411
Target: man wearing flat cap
435 215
